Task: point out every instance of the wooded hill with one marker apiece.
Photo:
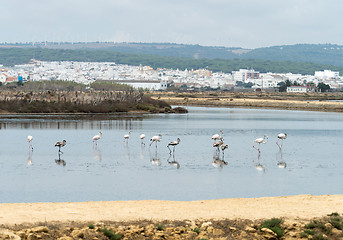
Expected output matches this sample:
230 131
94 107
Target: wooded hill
304 59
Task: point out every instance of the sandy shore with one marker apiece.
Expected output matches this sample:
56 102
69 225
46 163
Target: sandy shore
300 207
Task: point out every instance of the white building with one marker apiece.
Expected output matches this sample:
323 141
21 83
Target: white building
149 85
245 75
268 80
3 78
326 74
297 89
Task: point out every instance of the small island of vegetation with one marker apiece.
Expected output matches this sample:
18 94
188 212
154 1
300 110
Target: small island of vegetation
70 97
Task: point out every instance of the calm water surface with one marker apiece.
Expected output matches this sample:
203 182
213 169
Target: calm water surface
115 170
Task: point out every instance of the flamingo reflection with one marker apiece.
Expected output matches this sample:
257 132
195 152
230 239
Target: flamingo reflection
258 166
218 163
97 154
29 158
127 151
282 164
60 161
141 154
173 162
155 159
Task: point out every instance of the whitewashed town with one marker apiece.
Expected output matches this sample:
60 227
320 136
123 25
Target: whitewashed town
159 79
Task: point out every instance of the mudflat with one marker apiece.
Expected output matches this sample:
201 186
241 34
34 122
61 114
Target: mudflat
291 104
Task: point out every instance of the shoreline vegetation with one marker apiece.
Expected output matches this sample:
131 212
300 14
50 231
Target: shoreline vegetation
81 102
326 102
291 217
107 97
14 101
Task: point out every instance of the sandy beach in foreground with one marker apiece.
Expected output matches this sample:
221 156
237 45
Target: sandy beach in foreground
299 207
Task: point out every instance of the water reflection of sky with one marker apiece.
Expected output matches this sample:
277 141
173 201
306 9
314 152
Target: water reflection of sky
115 170
118 122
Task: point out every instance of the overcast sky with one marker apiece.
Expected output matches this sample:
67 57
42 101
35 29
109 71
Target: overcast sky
230 23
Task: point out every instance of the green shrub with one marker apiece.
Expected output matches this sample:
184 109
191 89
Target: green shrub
309 231
318 236
111 235
310 225
141 106
336 222
91 226
334 214
274 224
180 110
196 230
160 227
303 235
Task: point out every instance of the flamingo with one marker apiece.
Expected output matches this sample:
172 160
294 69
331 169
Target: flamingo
259 141
155 139
281 136
60 144
29 140
217 136
218 144
173 143
223 147
126 137
142 136
96 138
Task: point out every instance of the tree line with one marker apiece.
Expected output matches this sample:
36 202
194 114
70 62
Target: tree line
14 56
322 87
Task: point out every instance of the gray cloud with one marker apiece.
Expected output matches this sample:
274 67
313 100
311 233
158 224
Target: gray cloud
244 23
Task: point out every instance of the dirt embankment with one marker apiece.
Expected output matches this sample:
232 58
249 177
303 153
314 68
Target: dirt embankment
318 102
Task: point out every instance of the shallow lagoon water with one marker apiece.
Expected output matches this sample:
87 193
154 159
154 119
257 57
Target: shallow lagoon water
115 170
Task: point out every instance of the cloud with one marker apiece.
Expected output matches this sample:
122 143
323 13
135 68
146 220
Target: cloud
244 23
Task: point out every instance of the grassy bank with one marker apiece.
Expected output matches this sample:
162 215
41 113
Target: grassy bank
81 102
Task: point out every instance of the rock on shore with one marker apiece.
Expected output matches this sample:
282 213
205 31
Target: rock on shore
213 229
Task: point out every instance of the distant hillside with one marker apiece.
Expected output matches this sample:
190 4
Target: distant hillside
275 59
316 53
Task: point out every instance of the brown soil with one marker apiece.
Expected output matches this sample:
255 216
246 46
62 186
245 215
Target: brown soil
313 102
